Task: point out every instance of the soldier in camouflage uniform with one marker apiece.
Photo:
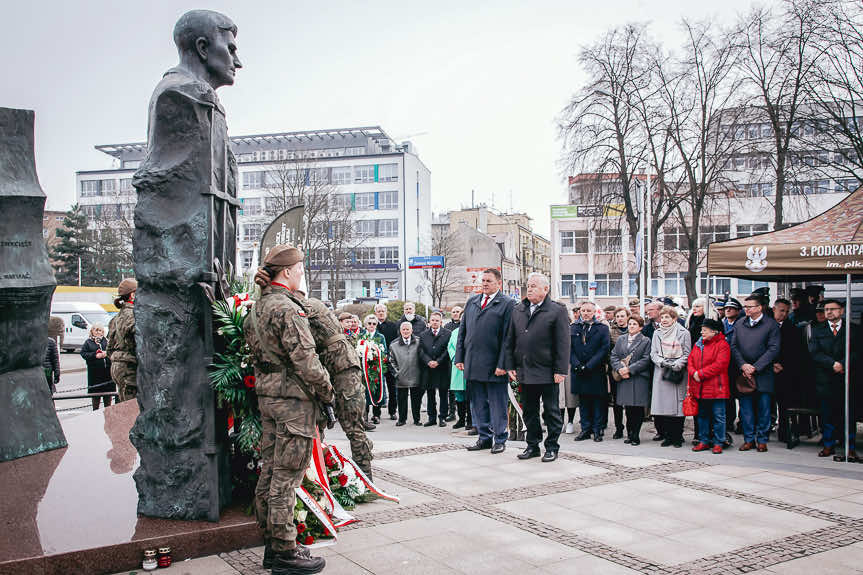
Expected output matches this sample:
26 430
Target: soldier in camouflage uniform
121 342
290 383
341 360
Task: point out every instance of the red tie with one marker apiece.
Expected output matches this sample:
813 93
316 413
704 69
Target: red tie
835 329
484 301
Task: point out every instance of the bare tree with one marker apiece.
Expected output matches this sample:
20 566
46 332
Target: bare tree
442 280
330 236
701 92
835 87
779 54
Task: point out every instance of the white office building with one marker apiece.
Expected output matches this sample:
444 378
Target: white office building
386 185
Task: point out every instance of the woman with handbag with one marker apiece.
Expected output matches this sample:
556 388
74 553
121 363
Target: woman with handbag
708 383
631 369
669 351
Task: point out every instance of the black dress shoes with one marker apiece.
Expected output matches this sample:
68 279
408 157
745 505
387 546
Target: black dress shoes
583 435
480 445
441 423
634 441
528 453
429 423
498 448
597 437
549 456
400 423
618 433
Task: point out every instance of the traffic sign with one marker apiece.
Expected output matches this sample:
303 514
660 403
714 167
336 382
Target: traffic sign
425 262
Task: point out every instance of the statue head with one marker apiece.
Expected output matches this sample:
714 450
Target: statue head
207 43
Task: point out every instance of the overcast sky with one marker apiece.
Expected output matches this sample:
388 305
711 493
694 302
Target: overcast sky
475 85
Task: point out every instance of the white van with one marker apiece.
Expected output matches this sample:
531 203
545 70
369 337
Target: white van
77 319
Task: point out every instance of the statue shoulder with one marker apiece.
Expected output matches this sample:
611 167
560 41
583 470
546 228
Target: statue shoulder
179 82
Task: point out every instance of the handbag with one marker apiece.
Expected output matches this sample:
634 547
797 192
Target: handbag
672 376
744 385
690 406
615 375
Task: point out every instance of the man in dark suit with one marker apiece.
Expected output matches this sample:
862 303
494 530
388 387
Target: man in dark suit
651 310
827 346
537 357
390 331
754 348
481 353
589 348
434 364
789 370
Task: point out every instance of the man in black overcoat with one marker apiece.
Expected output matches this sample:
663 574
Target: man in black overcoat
434 367
390 331
537 357
481 353
589 347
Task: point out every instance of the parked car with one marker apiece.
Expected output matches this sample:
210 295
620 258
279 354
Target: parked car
77 318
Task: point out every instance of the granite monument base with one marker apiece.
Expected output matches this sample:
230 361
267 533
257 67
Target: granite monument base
74 509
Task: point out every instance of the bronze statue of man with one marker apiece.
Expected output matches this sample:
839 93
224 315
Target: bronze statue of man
184 247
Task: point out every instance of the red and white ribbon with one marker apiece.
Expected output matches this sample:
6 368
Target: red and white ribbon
363 477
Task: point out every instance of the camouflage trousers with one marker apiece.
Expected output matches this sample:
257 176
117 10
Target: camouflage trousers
350 408
285 457
125 375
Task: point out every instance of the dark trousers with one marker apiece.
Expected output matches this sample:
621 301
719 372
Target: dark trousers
590 408
489 403
670 426
833 420
634 419
530 397
730 413
711 421
392 397
441 390
416 394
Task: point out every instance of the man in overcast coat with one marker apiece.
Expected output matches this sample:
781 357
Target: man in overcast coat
481 352
537 357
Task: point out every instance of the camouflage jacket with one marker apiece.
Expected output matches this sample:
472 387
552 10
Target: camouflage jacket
121 336
334 347
284 326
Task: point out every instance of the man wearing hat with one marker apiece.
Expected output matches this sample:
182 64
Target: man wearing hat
121 341
291 384
635 306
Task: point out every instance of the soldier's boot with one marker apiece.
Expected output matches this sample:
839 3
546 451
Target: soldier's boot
296 562
267 563
368 425
461 413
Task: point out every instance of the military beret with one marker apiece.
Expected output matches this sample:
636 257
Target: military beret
345 315
127 286
283 255
634 302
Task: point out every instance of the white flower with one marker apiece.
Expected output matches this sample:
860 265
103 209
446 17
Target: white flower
301 515
311 475
244 365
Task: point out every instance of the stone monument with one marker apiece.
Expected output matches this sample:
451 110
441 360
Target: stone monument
184 249
29 423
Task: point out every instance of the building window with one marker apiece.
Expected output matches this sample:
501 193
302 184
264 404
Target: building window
609 284
388 228
675 283
342 175
718 285
318 257
92 212
364 201
246 259
253 180
674 239
574 241
746 287
608 241
109 186
355 151
389 255
388 173
252 206
708 234
252 232
570 282
388 200
126 185
364 255
90 188
364 228
747 230
315 290
340 202
364 174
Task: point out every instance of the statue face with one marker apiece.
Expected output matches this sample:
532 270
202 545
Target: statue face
220 57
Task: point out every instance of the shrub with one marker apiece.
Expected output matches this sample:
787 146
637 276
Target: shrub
395 309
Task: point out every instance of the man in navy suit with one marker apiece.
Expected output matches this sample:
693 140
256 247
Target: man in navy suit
589 347
481 354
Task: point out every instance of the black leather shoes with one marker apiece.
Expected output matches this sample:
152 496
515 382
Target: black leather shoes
295 561
498 448
549 456
528 453
429 423
583 435
479 446
400 423
618 433
597 437
441 423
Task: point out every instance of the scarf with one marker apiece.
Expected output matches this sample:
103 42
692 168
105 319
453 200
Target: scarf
670 348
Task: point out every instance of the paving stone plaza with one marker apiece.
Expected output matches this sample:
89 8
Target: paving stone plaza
601 508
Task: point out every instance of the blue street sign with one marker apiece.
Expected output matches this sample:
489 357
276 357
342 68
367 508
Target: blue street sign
425 262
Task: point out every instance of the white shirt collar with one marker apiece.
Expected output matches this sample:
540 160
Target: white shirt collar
755 320
838 324
491 297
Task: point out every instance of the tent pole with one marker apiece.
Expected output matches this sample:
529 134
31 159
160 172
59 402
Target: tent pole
847 322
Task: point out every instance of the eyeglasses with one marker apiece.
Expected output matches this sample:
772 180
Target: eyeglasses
832 308
371 323
751 306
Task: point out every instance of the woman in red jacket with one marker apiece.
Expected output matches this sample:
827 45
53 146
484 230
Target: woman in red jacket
708 382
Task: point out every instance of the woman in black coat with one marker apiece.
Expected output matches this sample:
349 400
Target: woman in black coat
98 365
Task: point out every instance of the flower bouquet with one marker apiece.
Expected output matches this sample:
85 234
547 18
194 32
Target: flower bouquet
372 361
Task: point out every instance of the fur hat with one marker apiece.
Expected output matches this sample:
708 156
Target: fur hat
713 324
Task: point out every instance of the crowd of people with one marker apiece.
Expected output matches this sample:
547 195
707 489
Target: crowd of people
734 367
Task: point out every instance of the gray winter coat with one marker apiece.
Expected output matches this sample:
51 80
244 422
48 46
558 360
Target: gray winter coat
667 396
634 391
405 361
